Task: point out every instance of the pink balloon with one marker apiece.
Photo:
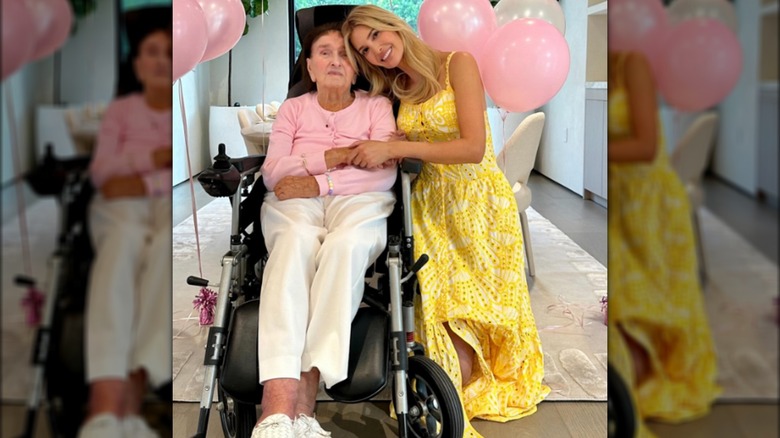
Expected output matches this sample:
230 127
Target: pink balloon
17 44
524 64
53 19
703 65
226 20
638 25
450 25
190 36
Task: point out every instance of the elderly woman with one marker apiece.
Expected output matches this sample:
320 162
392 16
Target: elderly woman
128 328
324 222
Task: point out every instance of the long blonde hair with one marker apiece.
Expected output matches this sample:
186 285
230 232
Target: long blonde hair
418 55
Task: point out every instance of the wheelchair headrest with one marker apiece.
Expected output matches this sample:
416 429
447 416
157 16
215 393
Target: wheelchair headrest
306 20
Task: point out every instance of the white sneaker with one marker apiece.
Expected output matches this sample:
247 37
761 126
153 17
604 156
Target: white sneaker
308 427
275 426
101 426
134 426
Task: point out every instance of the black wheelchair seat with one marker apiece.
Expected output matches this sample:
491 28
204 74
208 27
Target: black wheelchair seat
368 357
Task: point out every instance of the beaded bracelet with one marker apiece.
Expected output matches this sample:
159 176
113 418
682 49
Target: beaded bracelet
330 183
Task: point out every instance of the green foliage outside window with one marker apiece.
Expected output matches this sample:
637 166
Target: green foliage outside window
406 9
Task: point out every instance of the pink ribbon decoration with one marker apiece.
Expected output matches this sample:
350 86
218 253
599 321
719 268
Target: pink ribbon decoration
575 312
604 302
205 302
32 302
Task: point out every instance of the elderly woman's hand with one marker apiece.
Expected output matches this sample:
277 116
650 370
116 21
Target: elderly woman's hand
123 187
297 187
372 154
338 157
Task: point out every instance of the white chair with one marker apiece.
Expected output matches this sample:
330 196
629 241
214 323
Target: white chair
689 159
83 126
254 131
516 160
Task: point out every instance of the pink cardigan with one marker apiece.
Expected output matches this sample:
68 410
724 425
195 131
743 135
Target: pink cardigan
303 131
129 132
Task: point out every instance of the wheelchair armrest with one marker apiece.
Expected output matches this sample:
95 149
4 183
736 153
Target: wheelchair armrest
219 182
50 176
225 174
248 164
411 165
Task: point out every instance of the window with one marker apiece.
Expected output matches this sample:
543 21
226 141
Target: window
406 9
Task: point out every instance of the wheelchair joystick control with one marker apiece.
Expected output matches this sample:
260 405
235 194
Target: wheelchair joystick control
221 160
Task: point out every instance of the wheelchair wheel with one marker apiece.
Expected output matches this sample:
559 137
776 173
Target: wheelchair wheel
238 419
621 421
434 406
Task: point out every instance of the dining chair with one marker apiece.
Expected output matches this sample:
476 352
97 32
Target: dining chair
516 160
689 159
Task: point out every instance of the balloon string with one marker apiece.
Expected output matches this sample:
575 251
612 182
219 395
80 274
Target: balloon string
17 162
262 68
189 173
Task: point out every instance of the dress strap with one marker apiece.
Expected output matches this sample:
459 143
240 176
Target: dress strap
447 67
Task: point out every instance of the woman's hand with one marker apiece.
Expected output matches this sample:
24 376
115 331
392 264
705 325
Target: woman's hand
372 154
123 187
337 157
162 158
297 187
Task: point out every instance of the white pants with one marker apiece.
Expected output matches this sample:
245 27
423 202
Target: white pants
319 250
128 319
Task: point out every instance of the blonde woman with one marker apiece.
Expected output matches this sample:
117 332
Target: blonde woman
476 318
659 339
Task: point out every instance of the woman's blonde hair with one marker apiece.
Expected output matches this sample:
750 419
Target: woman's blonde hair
418 55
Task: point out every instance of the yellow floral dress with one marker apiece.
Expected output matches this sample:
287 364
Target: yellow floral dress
654 291
466 219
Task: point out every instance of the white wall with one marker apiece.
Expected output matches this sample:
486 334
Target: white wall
260 62
89 58
735 153
561 152
195 90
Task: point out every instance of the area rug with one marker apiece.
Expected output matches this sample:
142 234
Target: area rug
564 294
740 296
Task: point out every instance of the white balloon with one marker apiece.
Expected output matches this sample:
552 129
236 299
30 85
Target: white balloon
547 10
682 10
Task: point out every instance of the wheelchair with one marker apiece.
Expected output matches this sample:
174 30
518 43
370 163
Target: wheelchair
382 345
621 422
58 352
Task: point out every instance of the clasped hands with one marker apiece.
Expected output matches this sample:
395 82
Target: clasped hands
367 154
133 185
